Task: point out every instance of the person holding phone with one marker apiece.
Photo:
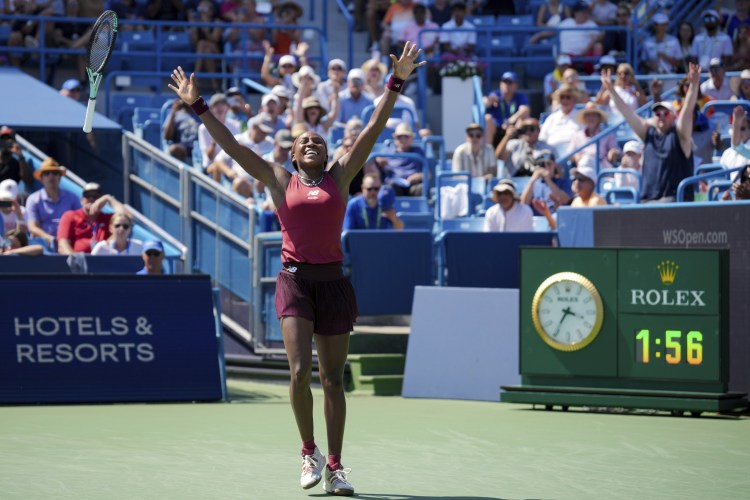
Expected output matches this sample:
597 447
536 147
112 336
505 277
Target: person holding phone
313 298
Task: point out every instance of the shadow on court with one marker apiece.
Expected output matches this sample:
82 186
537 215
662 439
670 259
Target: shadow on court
391 496
240 396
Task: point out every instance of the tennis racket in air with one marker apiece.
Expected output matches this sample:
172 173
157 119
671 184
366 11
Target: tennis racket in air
101 44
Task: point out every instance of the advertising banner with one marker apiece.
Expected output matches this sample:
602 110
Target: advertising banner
115 338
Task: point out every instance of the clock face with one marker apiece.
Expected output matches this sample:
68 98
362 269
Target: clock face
567 311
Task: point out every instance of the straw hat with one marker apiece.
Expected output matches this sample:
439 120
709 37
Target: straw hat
588 109
382 68
49 165
305 71
312 102
566 88
403 129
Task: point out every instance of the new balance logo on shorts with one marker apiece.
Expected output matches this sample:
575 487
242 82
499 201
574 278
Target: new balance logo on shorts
291 269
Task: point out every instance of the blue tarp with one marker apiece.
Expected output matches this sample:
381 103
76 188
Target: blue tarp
30 104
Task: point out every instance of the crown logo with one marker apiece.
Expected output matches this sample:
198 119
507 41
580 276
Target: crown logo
668 271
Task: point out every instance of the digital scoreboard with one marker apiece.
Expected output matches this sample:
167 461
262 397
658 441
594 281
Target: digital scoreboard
624 328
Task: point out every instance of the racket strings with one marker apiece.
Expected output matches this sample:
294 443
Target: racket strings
100 46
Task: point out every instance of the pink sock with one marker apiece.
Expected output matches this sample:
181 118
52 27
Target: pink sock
308 447
334 462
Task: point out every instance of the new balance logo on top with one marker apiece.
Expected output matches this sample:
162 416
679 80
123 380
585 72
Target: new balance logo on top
313 194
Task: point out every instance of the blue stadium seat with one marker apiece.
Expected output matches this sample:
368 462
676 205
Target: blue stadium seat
621 195
485 21
717 188
538 68
708 167
122 106
143 113
462 224
719 113
179 42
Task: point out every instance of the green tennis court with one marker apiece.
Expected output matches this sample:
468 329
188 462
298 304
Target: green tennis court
397 448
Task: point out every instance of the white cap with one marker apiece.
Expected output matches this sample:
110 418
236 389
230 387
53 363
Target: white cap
281 91
585 167
633 147
661 18
337 62
288 59
268 98
356 73
564 59
8 190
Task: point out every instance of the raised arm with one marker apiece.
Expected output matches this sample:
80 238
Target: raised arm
187 90
352 162
685 121
637 123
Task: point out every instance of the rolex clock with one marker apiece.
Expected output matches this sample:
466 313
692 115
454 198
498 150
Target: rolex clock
567 311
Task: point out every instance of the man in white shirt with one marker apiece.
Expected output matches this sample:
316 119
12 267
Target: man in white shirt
711 43
661 51
454 41
717 87
508 214
579 42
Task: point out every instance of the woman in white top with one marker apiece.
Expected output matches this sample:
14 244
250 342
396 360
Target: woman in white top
627 87
120 243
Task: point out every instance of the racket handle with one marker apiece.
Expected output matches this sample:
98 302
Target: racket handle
89 115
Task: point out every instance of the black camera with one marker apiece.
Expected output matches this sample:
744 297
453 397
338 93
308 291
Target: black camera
6 203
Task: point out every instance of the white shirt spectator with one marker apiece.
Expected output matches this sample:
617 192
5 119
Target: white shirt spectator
479 165
205 140
558 130
576 41
107 247
603 13
721 94
260 148
669 46
706 47
458 39
519 218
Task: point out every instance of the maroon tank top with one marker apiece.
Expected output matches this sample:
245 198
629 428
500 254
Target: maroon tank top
311 219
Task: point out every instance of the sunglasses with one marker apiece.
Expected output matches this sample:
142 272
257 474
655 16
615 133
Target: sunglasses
528 130
124 226
475 136
661 113
565 97
403 137
153 253
50 172
374 188
93 197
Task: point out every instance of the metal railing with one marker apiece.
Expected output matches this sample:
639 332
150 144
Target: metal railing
216 226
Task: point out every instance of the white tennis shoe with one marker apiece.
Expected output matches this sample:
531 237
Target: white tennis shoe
335 482
311 467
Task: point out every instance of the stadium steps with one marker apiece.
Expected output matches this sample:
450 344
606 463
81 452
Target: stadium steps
376 360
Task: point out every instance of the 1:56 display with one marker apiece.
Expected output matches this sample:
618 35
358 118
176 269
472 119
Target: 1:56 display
673 347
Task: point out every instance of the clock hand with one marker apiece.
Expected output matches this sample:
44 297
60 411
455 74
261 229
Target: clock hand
566 311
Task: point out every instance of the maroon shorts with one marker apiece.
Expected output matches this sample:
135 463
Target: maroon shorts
319 293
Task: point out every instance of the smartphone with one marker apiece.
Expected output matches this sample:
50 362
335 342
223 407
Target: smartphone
6 203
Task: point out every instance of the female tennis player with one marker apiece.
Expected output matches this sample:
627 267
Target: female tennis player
313 298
